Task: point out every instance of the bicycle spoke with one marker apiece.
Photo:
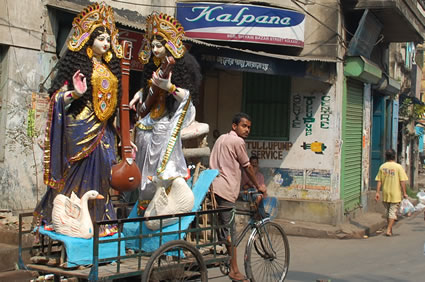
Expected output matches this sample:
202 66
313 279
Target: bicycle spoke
175 261
268 254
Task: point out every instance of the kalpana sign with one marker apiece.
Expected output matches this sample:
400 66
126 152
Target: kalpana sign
242 23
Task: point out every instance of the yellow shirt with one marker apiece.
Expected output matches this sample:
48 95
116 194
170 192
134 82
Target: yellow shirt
390 174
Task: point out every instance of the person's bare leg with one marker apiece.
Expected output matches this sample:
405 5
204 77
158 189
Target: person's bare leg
390 226
234 273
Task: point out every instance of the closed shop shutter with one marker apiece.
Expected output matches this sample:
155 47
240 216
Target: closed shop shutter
352 125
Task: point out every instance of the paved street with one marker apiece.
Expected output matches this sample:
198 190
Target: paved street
378 258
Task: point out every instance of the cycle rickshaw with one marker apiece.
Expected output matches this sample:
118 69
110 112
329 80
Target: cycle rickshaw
183 251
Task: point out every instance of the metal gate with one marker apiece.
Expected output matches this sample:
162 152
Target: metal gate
352 127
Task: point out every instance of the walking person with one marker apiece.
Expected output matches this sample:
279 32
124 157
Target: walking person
229 156
392 178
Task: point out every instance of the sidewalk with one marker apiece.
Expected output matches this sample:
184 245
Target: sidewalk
361 227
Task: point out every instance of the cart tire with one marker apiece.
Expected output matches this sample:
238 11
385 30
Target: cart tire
175 261
267 253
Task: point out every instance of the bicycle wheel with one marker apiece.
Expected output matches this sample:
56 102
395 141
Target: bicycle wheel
267 253
175 261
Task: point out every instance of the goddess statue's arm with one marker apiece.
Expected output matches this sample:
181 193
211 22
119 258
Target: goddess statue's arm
137 98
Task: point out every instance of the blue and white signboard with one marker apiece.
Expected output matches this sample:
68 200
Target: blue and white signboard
242 23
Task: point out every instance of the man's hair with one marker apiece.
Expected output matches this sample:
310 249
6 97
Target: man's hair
253 157
390 155
237 118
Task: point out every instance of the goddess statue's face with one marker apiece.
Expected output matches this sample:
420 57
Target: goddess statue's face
158 49
101 44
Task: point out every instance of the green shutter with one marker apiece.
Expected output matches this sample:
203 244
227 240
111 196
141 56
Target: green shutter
266 99
352 127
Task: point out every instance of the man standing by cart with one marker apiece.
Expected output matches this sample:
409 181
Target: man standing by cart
229 156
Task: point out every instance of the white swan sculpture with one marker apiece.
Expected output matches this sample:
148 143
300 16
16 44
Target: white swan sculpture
179 200
71 216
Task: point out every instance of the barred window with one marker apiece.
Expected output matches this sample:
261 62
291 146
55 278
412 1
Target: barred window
266 98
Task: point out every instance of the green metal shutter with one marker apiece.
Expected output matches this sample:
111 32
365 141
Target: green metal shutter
267 100
352 127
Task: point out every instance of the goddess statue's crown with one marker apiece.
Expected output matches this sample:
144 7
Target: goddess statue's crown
166 27
88 20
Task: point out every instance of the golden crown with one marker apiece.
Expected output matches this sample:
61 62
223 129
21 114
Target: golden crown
88 20
169 29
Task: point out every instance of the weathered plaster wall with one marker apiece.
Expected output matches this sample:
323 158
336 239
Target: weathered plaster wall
21 167
303 166
22 23
143 7
321 33
367 125
222 100
366 146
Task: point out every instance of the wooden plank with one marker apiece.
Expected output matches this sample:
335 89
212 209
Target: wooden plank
128 266
105 271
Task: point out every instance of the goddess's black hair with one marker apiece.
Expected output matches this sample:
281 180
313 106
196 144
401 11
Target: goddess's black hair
73 61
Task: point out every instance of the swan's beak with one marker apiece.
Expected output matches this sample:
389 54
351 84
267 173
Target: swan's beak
100 197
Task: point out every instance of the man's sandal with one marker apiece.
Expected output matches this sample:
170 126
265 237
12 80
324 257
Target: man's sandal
244 279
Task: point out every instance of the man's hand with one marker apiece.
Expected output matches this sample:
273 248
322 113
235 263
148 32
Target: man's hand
405 196
377 196
263 189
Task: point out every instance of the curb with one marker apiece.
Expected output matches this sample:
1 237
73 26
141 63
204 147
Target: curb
363 227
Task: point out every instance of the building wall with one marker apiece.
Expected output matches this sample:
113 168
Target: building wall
26 63
22 23
21 158
291 168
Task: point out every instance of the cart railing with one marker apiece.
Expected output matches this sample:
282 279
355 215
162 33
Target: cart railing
138 258
194 230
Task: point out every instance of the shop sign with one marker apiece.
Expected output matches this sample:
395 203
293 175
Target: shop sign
242 23
246 62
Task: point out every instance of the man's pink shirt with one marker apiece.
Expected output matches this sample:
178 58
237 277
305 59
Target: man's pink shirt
228 156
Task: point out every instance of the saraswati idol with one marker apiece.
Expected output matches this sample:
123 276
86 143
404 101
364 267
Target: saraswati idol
79 147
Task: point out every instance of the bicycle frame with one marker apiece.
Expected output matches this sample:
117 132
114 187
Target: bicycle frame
252 224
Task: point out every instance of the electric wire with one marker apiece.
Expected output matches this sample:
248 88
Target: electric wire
342 40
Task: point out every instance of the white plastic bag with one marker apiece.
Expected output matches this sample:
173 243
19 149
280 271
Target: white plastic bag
406 207
421 196
419 207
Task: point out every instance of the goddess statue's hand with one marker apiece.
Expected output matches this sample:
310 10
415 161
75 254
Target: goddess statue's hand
134 149
80 83
134 101
163 83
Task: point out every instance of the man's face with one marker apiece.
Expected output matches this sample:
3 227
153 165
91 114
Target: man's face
243 128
